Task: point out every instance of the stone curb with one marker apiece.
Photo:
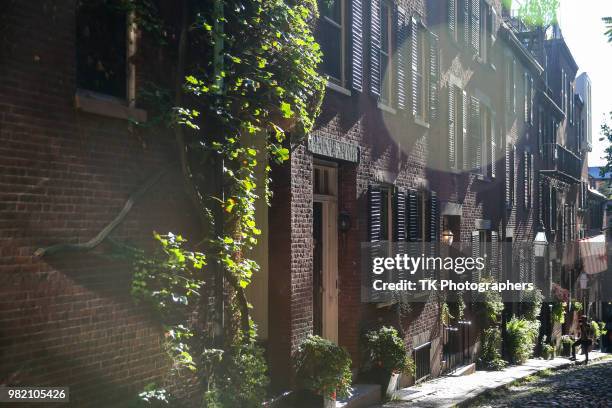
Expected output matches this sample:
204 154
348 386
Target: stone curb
471 398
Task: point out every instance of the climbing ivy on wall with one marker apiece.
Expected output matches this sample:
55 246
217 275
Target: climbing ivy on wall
247 78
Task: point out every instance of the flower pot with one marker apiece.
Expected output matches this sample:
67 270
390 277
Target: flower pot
566 349
329 402
392 386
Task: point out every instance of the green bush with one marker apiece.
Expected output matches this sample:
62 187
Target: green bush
490 356
386 349
489 306
521 335
531 304
558 312
598 329
323 367
548 351
577 306
240 379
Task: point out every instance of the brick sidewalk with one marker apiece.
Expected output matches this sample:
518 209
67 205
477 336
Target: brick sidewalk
452 391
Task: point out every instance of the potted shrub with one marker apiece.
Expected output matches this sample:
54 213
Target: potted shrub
387 357
548 352
521 336
566 345
323 368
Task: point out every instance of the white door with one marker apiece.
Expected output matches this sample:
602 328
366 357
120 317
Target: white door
325 255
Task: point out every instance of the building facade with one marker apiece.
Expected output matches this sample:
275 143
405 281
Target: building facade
441 118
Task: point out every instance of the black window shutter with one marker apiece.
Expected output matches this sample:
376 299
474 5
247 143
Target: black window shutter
465 10
464 129
476 135
452 115
413 216
493 144
403 61
399 215
452 18
509 175
357 44
374 214
531 179
526 93
475 25
375 39
434 74
476 274
414 66
434 218
495 258
526 178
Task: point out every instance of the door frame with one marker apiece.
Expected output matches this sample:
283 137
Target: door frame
329 223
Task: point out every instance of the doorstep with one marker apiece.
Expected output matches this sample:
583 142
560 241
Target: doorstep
362 396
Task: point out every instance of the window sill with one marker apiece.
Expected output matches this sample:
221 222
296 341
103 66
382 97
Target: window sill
386 108
421 122
104 105
340 89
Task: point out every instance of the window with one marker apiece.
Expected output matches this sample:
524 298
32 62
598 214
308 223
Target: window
386 68
421 79
482 139
487 30
101 48
331 31
563 91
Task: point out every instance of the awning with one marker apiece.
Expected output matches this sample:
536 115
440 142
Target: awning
593 252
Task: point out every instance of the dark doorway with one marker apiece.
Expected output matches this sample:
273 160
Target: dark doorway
317 276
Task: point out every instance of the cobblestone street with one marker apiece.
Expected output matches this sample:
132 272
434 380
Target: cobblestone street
578 386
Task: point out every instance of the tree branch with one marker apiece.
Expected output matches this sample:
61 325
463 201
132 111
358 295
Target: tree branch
97 240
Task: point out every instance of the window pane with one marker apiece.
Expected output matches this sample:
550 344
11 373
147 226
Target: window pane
330 39
384 27
331 9
101 48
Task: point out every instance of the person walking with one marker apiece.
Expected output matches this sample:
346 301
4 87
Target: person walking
585 339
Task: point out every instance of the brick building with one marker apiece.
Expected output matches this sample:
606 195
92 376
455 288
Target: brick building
441 117
69 161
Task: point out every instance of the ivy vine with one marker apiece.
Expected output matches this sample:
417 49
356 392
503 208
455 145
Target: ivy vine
246 79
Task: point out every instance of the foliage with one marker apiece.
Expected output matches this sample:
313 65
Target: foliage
490 306
598 329
576 306
531 304
247 75
241 379
566 339
171 281
548 351
608 22
539 13
152 397
558 312
386 349
521 335
323 367
445 314
606 128
490 356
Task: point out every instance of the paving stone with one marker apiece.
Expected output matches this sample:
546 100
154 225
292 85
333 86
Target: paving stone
451 391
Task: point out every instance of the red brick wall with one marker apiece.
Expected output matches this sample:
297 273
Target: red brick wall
69 320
